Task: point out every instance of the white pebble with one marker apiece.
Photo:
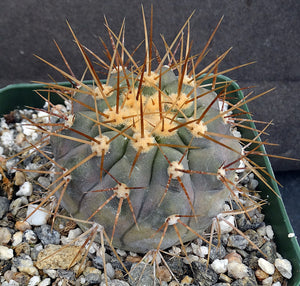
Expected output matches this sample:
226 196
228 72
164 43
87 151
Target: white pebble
291 235
268 281
10 283
1 150
40 217
51 273
276 284
25 190
17 238
6 253
269 231
121 252
110 270
45 282
35 280
220 265
237 270
284 267
225 227
28 129
266 266
7 138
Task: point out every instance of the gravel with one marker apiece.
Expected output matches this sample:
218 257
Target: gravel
235 262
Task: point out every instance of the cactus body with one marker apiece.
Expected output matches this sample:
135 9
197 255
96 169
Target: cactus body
153 159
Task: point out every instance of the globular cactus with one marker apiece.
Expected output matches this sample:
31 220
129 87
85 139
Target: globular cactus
148 153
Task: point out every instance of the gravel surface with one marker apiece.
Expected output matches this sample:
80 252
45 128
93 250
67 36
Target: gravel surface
39 252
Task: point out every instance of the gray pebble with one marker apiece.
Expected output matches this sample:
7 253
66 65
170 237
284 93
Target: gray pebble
237 241
142 273
47 236
217 252
93 278
204 274
269 249
35 251
66 274
247 281
4 205
255 237
29 236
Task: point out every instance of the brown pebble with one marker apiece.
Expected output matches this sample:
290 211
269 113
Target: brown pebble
234 257
186 280
8 275
119 275
22 225
224 278
21 278
277 277
19 178
163 274
133 259
22 248
261 275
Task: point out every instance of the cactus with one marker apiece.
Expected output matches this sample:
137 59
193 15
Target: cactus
150 153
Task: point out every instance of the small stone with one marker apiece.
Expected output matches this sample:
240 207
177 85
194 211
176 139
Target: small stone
4 206
269 249
39 217
186 280
20 277
43 181
6 253
163 274
22 248
30 237
268 281
142 273
220 265
121 252
45 282
17 238
22 225
10 283
58 257
276 284
66 274
93 278
284 267
247 281
204 273
218 252
5 235
36 250
237 270
233 257
110 271
225 278
46 235
19 178
237 241
225 227
266 266
16 204
25 190
255 238
73 233
35 280
269 231
51 273
261 275
24 264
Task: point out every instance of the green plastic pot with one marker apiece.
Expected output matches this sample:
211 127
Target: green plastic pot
20 95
